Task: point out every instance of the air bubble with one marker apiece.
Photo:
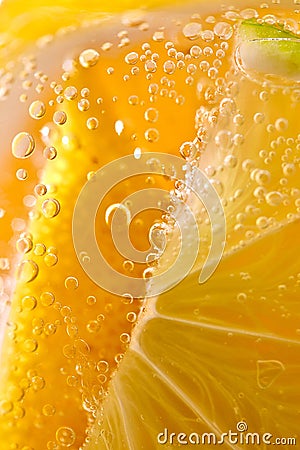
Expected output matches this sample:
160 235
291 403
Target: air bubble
47 299
48 410
262 222
208 35
230 161
131 58
150 66
37 109
23 145
125 338
50 208
24 245
59 117
152 135
127 299
91 300
39 249
274 198
128 266
27 271
192 30
50 153
50 259
131 317
89 58
102 366
281 124
28 303
151 115
195 51
158 36
92 123
70 93
188 150
223 30
71 283
30 345
22 174
83 104
40 189
169 67
224 139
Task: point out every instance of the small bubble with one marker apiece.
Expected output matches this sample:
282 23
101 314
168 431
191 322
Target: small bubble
133 100
208 35
37 109
39 249
131 58
5 407
125 338
70 93
48 410
158 36
22 174
37 383
59 117
85 92
127 299
93 326
188 150
24 245
151 115
92 123
50 208
23 145
50 259
27 271
152 135
69 351
274 198
262 222
50 153
230 161
91 300
47 298
224 139
40 189
169 67
83 104
192 30
30 345
89 58
29 302
150 66
102 366
131 317
71 283
128 266
281 124
195 51
223 30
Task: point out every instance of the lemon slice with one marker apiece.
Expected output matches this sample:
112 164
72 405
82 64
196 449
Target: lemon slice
269 49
